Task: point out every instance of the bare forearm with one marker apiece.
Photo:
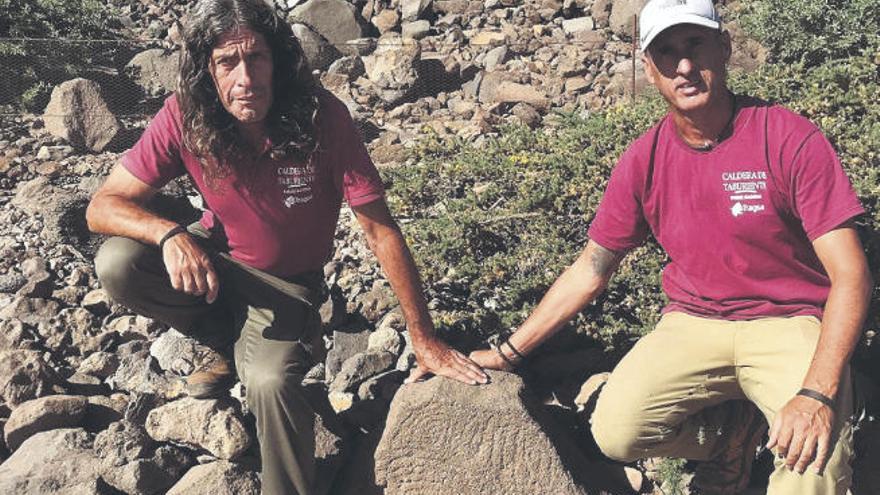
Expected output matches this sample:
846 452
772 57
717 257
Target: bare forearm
578 286
842 323
113 215
396 260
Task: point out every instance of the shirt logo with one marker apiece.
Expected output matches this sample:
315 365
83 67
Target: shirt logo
746 188
296 184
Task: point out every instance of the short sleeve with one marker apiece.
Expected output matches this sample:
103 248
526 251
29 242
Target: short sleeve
155 158
355 174
619 224
822 194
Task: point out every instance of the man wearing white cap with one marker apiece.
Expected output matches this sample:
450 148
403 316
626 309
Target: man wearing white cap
767 281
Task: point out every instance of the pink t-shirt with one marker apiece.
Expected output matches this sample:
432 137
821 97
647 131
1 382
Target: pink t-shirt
285 223
737 221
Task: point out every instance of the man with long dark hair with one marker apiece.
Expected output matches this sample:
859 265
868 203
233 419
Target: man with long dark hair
273 156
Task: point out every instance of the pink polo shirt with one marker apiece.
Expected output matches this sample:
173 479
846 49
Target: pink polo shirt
285 223
737 222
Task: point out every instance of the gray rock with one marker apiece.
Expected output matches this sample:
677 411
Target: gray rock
621 78
97 301
63 212
78 114
102 411
486 432
218 478
14 335
352 67
622 14
526 114
150 476
123 442
318 51
600 11
335 20
99 364
53 462
412 10
31 311
155 71
382 386
495 57
136 374
578 25
42 414
204 424
386 21
385 339
416 29
359 367
10 282
392 68
24 376
346 343
39 284
178 353
511 92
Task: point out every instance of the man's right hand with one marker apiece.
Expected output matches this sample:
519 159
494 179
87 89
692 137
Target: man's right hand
189 267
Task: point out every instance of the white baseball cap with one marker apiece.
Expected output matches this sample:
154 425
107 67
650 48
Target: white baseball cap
659 15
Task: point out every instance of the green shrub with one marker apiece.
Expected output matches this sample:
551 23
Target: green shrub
813 31
43 43
492 228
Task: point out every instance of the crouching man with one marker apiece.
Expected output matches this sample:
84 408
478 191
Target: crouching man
273 156
767 281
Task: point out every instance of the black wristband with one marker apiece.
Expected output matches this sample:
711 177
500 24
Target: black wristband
824 399
504 357
512 348
171 233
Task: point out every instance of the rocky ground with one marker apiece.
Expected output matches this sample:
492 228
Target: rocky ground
90 394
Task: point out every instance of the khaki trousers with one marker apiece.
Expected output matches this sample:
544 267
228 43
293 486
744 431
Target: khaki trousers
275 334
665 398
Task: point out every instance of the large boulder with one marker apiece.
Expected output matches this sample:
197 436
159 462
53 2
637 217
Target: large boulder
494 432
56 461
218 478
24 376
335 20
622 14
63 212
392 69
45 413
155 71
206 424
78 114
318 51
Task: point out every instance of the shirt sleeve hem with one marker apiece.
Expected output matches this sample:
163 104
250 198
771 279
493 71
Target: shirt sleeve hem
138 174
619 247
364 199
825 227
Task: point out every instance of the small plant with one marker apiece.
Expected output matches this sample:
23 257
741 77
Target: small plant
671 476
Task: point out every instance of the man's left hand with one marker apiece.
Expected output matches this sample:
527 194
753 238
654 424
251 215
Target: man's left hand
436 357
801 432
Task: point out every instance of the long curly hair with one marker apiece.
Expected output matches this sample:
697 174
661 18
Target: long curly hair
209 131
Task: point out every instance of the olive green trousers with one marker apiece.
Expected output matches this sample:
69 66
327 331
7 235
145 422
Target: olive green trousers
271 324
666 396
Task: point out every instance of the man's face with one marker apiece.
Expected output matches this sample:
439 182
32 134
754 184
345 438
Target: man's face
687 64
241 66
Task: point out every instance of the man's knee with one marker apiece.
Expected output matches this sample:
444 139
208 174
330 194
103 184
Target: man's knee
269 381
618 440
116 266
